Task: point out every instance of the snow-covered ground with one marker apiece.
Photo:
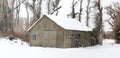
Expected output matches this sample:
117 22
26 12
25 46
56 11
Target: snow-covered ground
5 42
19 49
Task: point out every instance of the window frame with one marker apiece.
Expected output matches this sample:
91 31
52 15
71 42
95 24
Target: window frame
34 37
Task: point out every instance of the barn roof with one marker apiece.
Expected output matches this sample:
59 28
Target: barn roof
66 23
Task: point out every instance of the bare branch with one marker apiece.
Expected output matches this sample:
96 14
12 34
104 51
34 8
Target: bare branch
56 9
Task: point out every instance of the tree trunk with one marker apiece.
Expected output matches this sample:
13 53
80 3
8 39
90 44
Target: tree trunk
87 11
81 1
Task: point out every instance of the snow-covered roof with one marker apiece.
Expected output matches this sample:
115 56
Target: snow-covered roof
66 23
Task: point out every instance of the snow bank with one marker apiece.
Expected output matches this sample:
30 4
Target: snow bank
4 42
108 41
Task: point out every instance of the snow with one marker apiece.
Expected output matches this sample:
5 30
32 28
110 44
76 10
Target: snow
5 42
66 23
69 23
14 49
108 50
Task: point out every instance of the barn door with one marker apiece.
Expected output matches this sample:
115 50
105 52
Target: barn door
49 38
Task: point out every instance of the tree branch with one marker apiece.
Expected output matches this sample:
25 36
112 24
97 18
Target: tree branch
56 9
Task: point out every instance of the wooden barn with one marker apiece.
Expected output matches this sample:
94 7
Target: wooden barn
59 32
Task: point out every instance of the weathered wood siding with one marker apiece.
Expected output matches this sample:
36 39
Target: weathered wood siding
85 39
70 40
59 37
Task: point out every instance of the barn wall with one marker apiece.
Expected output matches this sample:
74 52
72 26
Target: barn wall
70 39
59 37
85 38
67 39
74 41
49 39
45 33
48 34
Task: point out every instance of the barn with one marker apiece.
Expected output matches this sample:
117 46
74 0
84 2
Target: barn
59 32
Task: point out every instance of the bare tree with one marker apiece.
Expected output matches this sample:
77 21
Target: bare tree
97 31
53 6
73 14
81 1
73 8
7 15
88 12
27 12
35 8
114 12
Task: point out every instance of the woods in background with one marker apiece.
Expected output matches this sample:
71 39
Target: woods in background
7 15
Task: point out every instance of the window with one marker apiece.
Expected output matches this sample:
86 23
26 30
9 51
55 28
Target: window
34 37
77 36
